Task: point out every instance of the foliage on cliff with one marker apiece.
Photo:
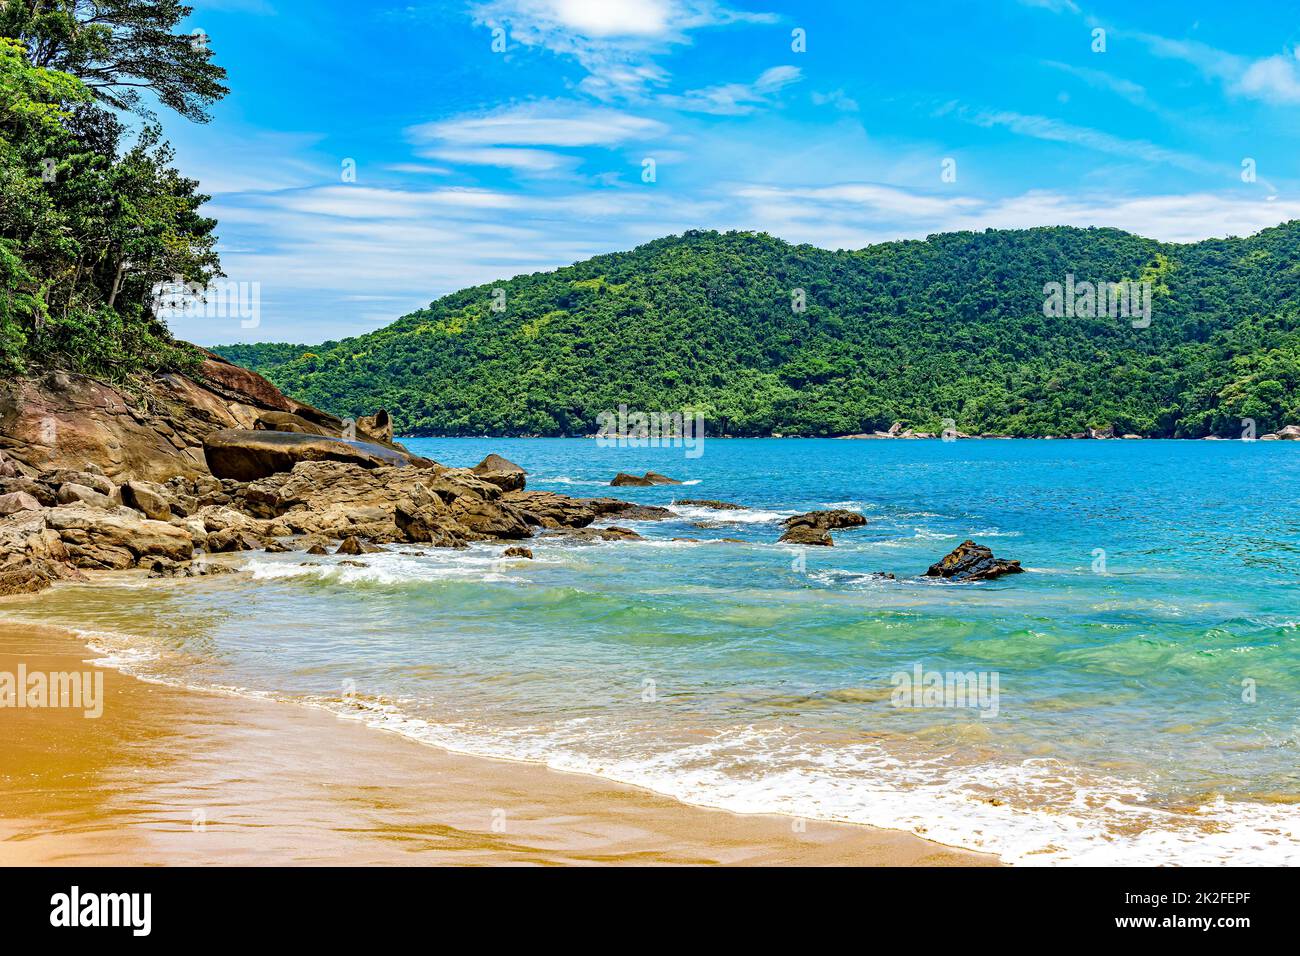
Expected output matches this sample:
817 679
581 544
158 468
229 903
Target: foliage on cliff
91 218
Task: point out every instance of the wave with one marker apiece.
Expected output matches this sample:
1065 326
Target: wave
1036 812
730 515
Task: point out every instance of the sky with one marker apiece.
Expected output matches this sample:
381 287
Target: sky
371 158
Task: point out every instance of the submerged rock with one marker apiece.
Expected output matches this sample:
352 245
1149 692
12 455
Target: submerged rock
709 503
972 562
517 552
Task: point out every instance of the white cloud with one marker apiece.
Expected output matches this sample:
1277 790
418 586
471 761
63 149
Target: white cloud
615 41
522 160
735 99
1272 79
548 123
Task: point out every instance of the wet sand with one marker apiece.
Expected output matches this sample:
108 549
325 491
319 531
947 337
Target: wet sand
174 776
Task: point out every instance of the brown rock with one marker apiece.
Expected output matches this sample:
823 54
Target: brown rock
354 545
972 562
807 534
517 552
548 510
247 455
502 472
23 579
72 493
147 498
643 481
813 527
18 501
378 427
272 421
709 503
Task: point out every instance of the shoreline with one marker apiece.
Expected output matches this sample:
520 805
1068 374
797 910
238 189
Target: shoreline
181 776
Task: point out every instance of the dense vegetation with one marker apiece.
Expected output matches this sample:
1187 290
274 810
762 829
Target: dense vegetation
90 223
919 331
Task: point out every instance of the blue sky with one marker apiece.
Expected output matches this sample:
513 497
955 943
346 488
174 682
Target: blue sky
473 165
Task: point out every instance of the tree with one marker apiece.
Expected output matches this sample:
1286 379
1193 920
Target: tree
118 48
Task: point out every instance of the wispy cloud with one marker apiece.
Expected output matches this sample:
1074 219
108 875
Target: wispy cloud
1058 131
735 99
550 123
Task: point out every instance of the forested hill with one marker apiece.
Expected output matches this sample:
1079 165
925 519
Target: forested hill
952 327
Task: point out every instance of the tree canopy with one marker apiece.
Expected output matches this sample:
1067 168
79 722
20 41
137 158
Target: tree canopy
89 222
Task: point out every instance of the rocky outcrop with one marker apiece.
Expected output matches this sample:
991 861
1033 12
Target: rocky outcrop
972 562
815 526
709 503
247 455
623 479
156 431
502 472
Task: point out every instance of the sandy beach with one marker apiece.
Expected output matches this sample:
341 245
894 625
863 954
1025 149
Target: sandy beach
174 776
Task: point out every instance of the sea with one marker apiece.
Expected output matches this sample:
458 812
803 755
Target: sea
1132 698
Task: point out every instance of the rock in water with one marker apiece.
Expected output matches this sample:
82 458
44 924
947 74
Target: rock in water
517 552
247 455
623 479
806 534
354 545
813 527
972 562
709 503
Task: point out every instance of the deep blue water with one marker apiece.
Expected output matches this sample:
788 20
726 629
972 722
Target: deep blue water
1147 664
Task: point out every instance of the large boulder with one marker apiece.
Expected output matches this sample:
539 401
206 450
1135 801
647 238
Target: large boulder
18 501
247 455
71 493
815 526
546 509
148 498
1289 433
807 534
502 472
490 519
972 562
117 539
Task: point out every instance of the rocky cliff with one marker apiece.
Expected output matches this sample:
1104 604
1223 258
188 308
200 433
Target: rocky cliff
63 420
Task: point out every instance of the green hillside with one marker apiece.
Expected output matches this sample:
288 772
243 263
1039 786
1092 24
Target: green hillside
951 327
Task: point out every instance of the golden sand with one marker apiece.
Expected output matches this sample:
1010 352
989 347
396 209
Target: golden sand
175 776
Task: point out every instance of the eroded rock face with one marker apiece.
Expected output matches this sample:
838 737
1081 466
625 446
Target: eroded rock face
972 562
114 540
247 454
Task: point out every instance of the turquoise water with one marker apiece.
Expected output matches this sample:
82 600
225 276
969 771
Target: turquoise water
1147 665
